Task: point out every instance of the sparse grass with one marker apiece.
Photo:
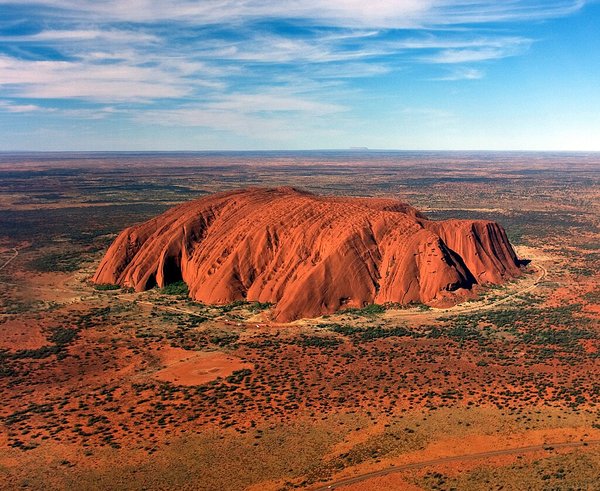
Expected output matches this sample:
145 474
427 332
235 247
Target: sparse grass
368 310
575 470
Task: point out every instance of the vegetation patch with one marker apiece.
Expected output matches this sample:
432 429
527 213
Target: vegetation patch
106 286
179 289
60 262
243 304
368 310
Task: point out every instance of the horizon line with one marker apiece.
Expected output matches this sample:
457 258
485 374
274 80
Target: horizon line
350 150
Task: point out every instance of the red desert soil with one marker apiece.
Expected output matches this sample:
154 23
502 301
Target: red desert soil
185 368
17 334
310 255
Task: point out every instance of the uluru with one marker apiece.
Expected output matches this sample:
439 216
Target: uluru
308 255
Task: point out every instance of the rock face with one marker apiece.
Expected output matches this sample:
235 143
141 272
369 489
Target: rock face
310 255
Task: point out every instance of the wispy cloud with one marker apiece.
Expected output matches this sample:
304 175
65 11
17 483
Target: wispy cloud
11 107
380 13
461 73
239 65
98 81
471 55
79 35
245 113
263 117
428 116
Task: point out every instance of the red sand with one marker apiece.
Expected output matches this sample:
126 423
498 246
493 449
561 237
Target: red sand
189 368
16 334
310 255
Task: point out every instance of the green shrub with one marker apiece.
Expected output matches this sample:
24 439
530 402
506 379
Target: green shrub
179 288
62 336
372 309
106 286
63 262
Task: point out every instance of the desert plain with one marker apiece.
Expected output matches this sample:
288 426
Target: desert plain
105 387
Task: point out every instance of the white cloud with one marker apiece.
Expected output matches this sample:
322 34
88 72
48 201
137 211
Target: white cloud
271 116
122 51
462 73
272 102
326 49
262 104
375 13
333 12
11 107
81 35
349 70
467 55
78 114
98 82
429 42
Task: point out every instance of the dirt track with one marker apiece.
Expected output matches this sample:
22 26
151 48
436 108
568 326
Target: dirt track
12 258
459 309
490 305
455 458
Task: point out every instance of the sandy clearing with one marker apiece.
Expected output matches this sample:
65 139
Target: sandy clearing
190 368
18 334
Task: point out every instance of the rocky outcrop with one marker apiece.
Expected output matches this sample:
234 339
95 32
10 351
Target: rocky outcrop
310 255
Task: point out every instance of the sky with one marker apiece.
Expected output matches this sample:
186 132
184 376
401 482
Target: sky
299 74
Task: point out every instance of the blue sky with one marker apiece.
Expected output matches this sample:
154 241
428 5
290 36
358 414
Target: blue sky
299 74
